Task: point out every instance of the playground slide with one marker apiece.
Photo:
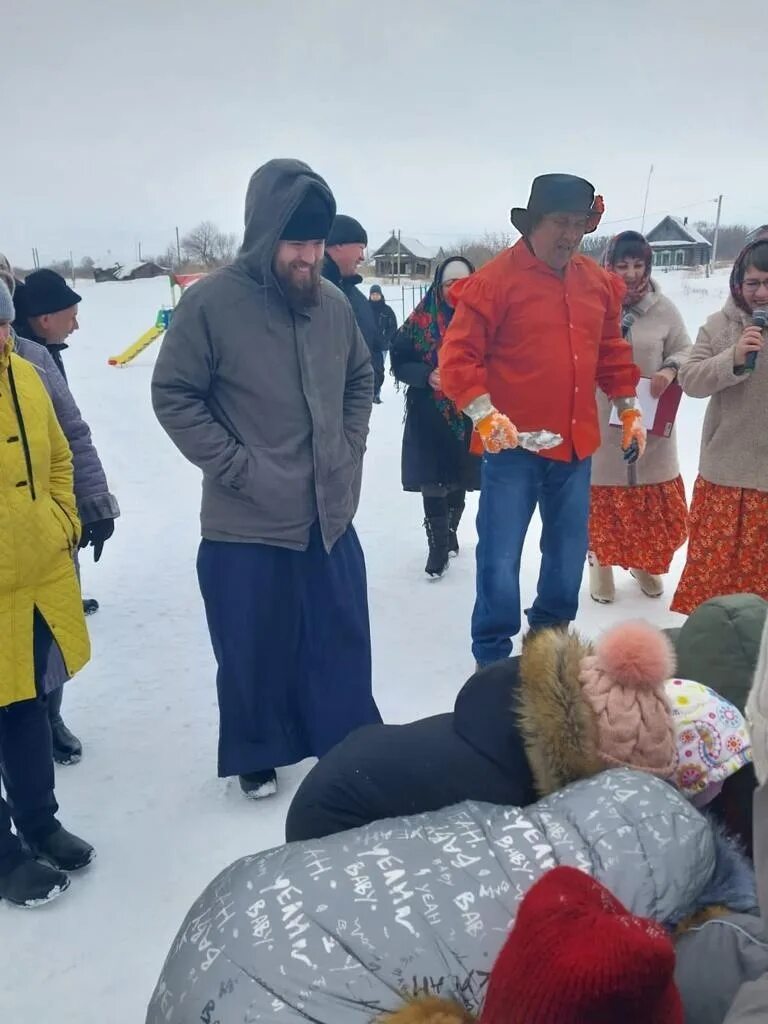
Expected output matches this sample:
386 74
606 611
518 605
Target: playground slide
160 327
163 322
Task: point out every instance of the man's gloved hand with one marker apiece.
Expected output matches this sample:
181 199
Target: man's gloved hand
497 432
97 534
634 434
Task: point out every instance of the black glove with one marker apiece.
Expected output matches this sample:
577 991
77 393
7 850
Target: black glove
97 534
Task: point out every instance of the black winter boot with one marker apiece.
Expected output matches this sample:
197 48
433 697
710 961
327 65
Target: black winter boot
67 748
31 884
455 513
257 785
437 538
61 850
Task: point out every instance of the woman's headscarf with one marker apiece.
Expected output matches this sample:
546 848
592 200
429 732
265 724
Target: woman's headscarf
425 329
757 237
633 245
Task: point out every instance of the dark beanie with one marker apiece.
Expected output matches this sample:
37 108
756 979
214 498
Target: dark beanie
347 231
310 220
376 290
44 291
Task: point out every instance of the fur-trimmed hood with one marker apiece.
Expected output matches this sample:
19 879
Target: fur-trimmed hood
558 727
429 1010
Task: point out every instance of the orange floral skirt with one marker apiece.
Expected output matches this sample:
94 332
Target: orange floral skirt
728 549
638 527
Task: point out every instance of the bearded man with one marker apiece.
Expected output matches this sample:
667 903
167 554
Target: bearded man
264 382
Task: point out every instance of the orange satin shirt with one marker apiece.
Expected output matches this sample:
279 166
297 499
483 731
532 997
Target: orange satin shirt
538 343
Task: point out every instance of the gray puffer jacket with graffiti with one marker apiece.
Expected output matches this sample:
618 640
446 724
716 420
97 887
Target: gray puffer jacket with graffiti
338 930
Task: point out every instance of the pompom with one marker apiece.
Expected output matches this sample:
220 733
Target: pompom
636 654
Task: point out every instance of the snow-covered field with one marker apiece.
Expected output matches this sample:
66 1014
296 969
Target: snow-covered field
146 792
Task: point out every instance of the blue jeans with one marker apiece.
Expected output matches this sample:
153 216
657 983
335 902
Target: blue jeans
513 483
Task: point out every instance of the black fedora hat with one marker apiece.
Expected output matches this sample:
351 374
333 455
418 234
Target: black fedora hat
558 193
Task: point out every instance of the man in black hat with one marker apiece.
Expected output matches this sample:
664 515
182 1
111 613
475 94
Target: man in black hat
264 382
535 330
46 314
344 252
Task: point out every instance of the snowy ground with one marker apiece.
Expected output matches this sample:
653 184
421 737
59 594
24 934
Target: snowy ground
146 792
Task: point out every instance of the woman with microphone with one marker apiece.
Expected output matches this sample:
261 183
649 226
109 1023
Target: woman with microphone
728 547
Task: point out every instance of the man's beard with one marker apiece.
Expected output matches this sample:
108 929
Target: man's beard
301 293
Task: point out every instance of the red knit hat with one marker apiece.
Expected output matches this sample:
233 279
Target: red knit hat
577 956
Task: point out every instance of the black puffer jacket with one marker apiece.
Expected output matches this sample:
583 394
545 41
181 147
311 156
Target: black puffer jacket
384 771
361 307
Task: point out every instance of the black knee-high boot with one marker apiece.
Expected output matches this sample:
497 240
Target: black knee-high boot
436 525
456 501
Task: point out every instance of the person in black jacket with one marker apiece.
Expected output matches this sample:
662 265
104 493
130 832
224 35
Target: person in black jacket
344 252
436 459
386 321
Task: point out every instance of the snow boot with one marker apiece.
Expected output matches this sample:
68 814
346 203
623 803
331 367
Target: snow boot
61 850
31 884
257 785
601 585
455 513
90 606
651 586
67 748
437 538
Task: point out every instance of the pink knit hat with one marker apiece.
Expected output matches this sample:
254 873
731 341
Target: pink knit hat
623 682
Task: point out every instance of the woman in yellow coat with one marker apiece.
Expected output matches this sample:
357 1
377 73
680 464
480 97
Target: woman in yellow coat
42 624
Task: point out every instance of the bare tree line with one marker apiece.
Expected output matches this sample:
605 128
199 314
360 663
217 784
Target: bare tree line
206 247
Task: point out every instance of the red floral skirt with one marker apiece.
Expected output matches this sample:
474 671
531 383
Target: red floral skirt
638 527
728 548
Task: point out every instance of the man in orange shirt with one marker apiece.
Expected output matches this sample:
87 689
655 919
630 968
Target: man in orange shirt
534 331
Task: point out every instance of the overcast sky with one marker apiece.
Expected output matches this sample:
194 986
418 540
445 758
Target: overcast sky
123 120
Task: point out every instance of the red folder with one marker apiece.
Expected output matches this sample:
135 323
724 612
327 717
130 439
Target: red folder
666 411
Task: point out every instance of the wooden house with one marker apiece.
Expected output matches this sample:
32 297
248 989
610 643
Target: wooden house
416 260
676 243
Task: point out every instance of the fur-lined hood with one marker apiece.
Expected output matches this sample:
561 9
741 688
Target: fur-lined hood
429 1010
558 727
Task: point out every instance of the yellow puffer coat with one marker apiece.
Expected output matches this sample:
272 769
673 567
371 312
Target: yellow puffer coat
39 533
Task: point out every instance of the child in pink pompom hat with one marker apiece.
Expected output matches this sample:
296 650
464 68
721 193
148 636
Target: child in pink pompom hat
585 707
624 684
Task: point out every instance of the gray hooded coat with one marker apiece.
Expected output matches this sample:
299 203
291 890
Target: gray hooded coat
339 930
94 500
271 403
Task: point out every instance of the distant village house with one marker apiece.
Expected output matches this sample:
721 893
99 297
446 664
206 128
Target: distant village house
676 244
129 271
415 259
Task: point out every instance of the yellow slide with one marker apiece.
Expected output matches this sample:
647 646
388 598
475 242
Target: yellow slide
161 326
138 346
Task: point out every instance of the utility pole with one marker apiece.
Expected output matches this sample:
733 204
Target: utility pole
398 256
717 230
178 249
645 204
139 252
72 267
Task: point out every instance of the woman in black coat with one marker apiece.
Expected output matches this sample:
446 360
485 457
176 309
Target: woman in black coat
436 460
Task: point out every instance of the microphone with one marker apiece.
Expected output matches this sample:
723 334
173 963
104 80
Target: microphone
628 319
759 319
